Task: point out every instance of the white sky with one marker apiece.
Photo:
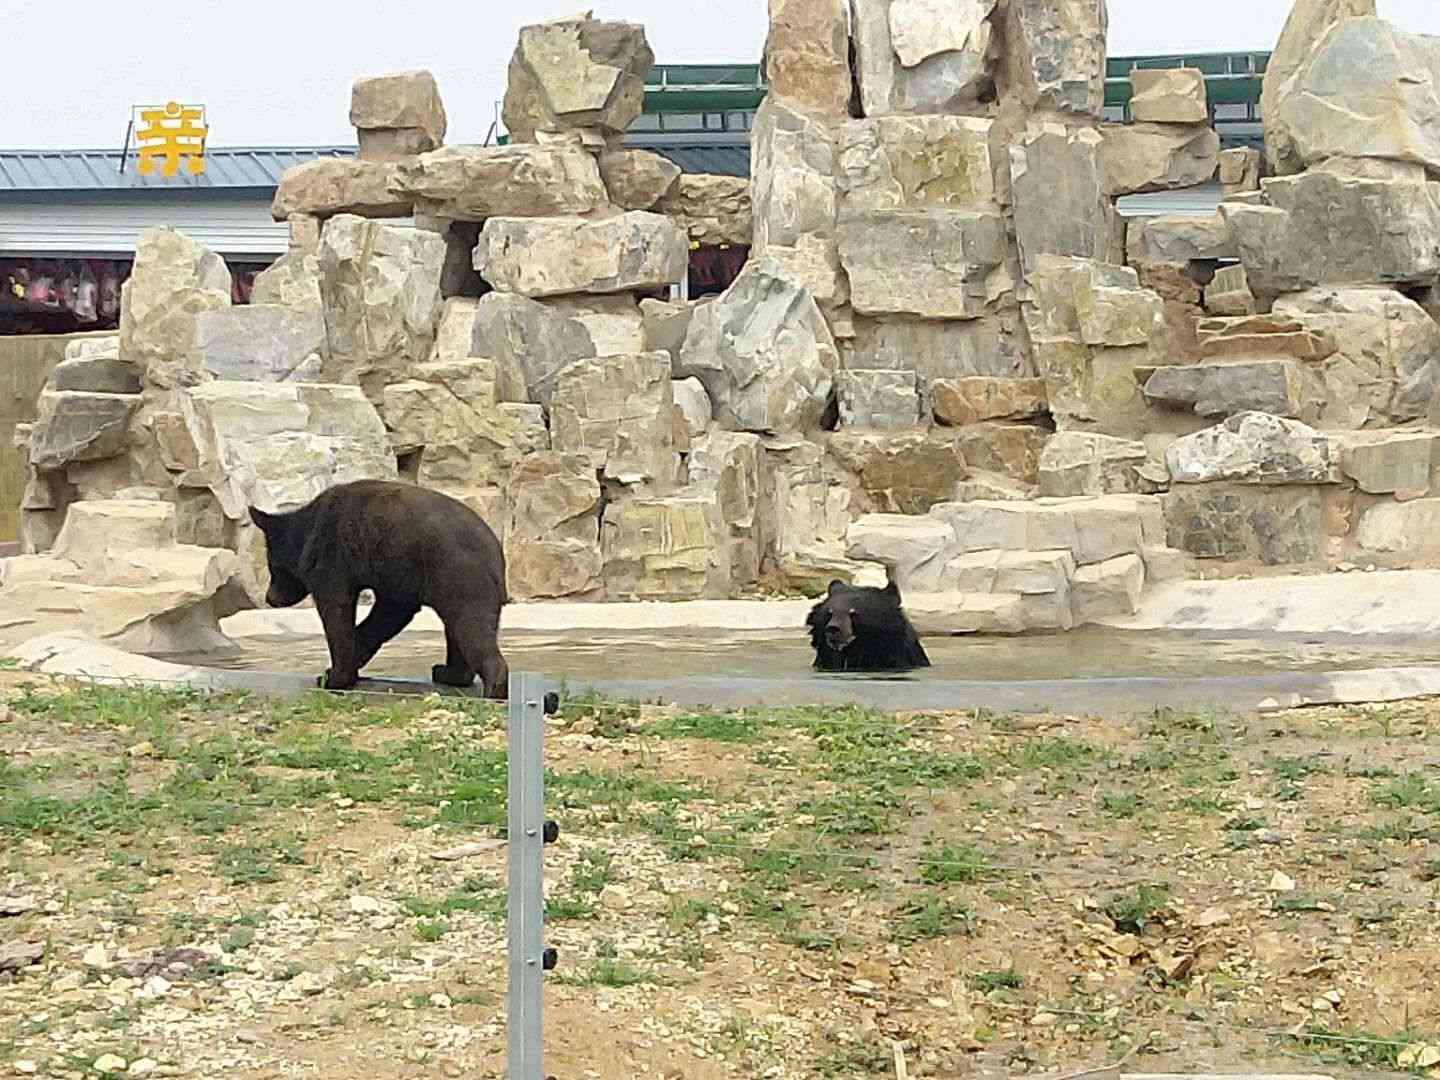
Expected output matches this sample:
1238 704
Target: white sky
279 71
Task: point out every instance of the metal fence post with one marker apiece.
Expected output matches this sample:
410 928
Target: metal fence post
525 912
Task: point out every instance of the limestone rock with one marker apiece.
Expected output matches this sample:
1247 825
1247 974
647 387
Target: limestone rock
877 400
455 332
933 349
530 344
1255 448
552 536
332 186
173 281
117 574
1309 24
938 264
763 352
971 400
473 183
400 100
793 163
802 515
1086 463
1107 589
1011 450
665 548
1322 229
261 342
1228 293
1391 463
1157 157
664 325
807 55
1057 186
1179 239
915 550
694 405
713 210
1240 170
1090 302
1384 333
729 465
576 73
1369 90
916 163
76 425
1255 336
1410 527
1275 525
96 374
1091 530
381 287
391 145
613 322
943 614
1223 389
552 256
1056 55
619 412
921 56
1169 96
292 281
637 179
900 473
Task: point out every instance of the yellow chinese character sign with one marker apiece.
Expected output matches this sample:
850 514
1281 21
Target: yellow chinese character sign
169 134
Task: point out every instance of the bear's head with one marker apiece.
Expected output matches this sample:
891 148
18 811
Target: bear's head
848 612
286 589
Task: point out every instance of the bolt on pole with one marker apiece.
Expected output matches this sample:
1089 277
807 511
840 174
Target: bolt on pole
525 911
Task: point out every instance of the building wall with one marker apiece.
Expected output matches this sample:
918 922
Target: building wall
235 226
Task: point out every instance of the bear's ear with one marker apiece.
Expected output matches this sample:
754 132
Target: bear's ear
835 586
261 519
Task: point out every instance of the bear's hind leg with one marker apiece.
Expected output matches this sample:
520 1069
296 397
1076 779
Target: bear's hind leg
386 619
455 671
477 634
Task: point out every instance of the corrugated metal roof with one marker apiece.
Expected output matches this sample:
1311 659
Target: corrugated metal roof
226 168
1202 200
716 160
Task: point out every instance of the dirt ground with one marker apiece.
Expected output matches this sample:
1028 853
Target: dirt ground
249 888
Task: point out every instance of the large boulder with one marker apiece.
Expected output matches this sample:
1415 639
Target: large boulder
916 163
1309 24
1169 96
877 400
1055 58
1235 522
1370 90
807 55
291 281
1399 463
117 574
576 73
977 398
399 102
620 412
712 210
1156 157
637 179
901 472
937 349
1057 186
78 425
552 536
764 353
937 264
1226 388
666 548
473 183
261 342
1087 463
173 281
530 344
1254 448
793 163
555 256
914 549
729 464
329 186
922 56
381 287
275 446
1320 228
1178 239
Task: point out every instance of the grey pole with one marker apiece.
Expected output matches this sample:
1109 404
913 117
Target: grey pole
524 867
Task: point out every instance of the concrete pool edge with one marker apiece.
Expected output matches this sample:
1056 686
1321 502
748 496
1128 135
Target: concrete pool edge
75 655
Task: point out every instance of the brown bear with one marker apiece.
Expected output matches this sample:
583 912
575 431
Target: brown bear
861 628
413 548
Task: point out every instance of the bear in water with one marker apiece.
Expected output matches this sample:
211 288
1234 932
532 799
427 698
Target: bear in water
412 548
860 628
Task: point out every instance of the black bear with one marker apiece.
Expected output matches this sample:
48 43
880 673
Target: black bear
860 628
413 548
